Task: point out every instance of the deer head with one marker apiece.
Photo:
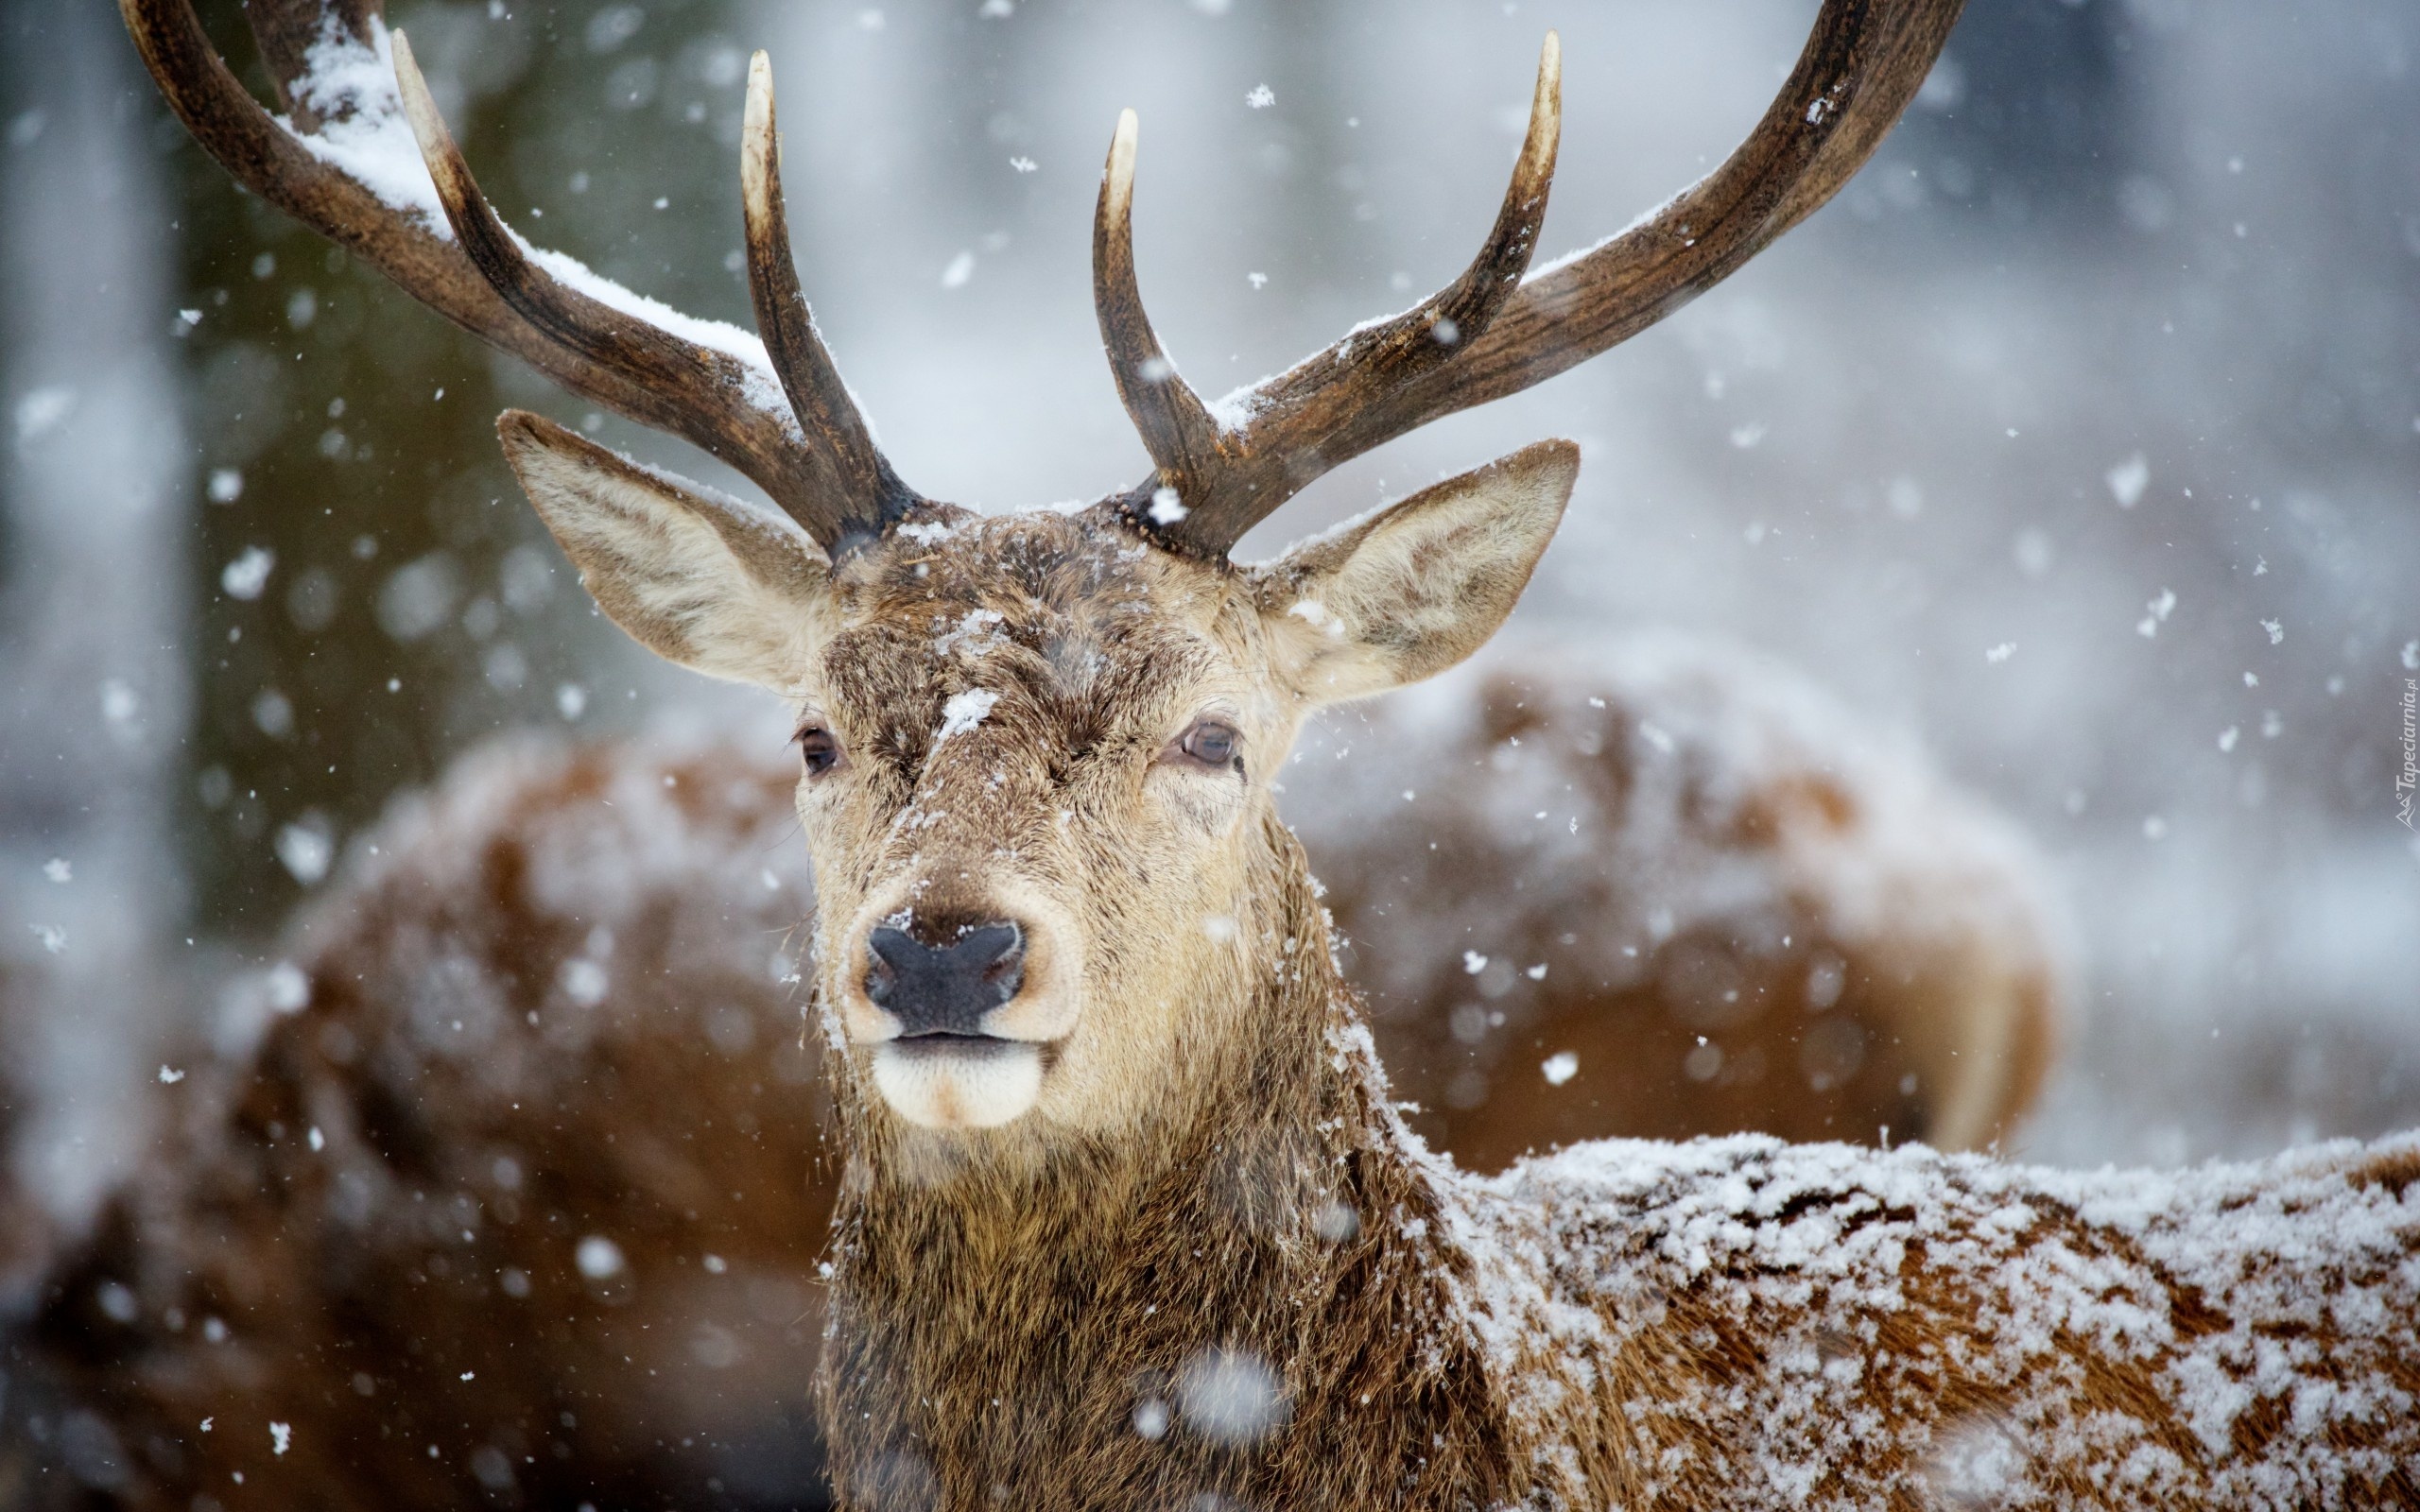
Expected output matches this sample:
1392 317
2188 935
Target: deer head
1035 745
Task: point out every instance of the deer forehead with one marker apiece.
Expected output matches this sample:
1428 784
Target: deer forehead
1066 630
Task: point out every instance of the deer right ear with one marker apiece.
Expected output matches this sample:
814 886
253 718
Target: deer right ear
696 576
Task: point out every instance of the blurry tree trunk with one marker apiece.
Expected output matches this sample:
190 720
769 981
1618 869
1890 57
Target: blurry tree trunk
94 697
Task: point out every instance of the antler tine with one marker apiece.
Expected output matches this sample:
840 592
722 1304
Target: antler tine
1178 429
1861 65
1277 450
871 497
722 403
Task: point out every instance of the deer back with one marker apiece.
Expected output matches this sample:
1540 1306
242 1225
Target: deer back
1740 1323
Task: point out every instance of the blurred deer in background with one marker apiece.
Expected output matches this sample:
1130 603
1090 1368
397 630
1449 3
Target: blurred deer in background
1126 1212
1660 889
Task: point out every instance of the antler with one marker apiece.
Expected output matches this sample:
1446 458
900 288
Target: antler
809 377
336 172
1487 334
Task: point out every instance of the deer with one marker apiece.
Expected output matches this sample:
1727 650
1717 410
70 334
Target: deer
1126 1214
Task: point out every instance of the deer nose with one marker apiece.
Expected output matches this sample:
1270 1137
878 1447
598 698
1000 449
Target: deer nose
938 989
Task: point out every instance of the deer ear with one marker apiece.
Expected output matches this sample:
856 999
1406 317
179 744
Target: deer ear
1408 590
694 575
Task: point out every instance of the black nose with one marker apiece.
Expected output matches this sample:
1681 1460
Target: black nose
944 988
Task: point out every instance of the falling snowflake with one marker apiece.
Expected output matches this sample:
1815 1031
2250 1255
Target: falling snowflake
243 577
306 852
2159 611
1152 1419
598 1258
1231 1396
2128 480
285 987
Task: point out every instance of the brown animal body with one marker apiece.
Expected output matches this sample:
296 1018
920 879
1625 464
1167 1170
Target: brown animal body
1126 1215
519 1191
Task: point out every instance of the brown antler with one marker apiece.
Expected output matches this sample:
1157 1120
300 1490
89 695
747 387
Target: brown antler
1217 466
1231 465
809 377
703 383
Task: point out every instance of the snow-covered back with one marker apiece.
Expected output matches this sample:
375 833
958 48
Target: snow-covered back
1805 1325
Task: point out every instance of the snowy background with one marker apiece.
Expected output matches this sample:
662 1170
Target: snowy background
2081 437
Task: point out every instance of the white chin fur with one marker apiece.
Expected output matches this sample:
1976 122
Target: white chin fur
959 1087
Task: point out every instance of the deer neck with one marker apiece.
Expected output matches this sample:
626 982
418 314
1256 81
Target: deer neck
1170 1308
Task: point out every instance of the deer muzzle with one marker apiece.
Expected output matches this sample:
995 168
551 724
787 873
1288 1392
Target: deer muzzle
957 1011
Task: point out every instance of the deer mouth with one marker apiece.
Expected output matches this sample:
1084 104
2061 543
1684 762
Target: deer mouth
958 1081
974 1045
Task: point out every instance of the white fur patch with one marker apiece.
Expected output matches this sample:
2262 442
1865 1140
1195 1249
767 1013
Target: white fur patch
959 1086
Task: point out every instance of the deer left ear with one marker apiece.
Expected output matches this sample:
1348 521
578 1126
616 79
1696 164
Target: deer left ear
1409 589
694 577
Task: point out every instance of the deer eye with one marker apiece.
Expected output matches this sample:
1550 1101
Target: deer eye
1210 744
819 748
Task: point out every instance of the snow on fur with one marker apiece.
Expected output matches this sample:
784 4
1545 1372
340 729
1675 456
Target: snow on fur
1819 1325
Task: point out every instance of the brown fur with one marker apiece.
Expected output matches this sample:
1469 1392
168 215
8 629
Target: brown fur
979 1340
